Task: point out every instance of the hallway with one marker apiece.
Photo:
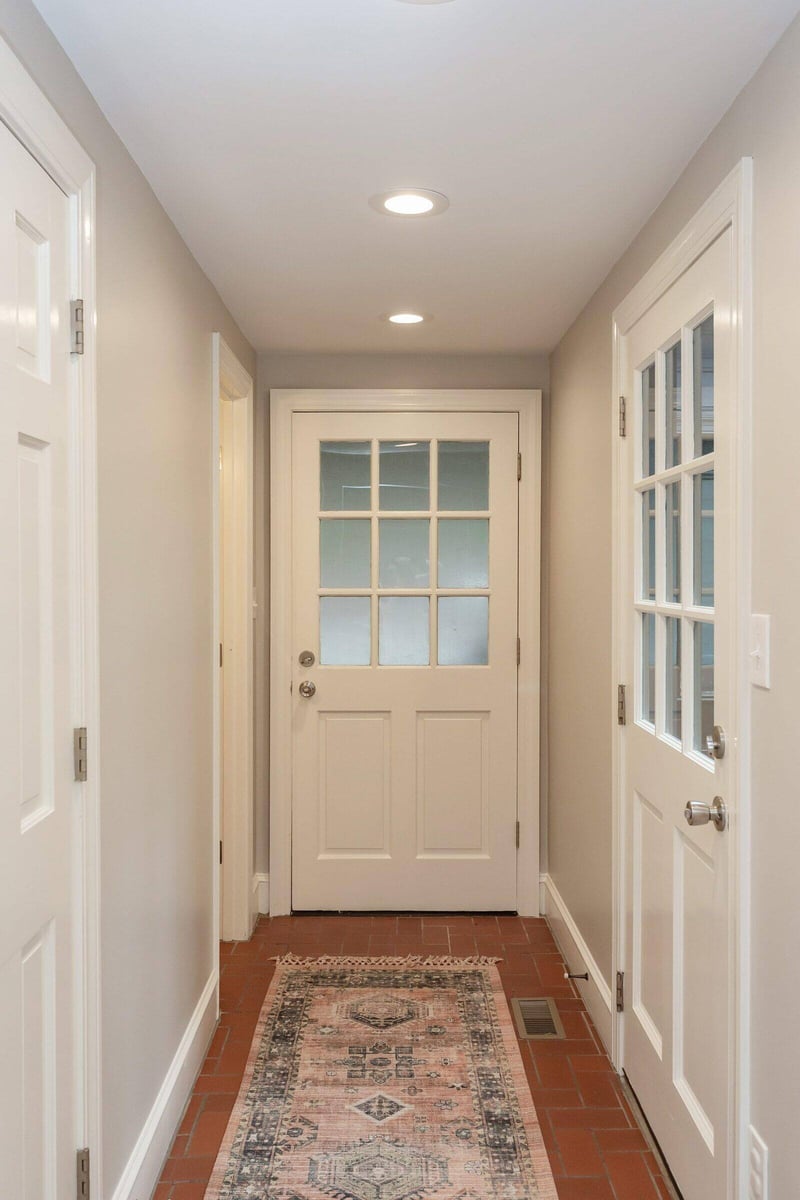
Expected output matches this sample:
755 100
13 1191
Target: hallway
596 1150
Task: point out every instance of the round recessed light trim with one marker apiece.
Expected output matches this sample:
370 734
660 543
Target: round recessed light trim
426 1
406 318
410 202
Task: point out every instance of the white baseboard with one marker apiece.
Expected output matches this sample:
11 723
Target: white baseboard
144 1165
595 991
261 890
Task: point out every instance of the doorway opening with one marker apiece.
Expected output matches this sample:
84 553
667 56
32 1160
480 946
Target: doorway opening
379 724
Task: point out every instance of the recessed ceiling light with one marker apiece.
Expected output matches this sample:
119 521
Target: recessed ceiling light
406 318
410 202
425 1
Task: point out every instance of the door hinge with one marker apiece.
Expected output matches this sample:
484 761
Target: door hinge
519 651
518 835
623 417
620 991
519 467
82 1160
76 327
80 751
622 705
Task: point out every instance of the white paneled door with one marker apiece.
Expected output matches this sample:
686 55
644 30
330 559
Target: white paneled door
680 665
39 899
405 660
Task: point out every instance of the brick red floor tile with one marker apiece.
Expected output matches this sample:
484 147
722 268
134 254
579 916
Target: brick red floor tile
579 1153
630 1177
596 1150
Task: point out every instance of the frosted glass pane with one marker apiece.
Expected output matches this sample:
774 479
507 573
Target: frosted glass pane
405 476
344 476
344 631
404 631
703 685
704 539
703 339
672 494
463 631
648 564
463 476
649 420
672 363
405 554
344 554
648 692
673 725
463 554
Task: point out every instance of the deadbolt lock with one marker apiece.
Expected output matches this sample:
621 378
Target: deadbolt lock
716 742
306 658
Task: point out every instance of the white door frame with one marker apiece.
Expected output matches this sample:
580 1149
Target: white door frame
730 207
233 820
32 119
283 405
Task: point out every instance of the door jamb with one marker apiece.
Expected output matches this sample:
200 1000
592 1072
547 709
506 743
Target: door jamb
233 820
27 112
730 206
283 405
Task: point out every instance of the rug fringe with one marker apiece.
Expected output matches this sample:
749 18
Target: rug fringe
410 960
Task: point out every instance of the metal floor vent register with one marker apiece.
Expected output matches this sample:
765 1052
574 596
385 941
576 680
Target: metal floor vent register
537 1018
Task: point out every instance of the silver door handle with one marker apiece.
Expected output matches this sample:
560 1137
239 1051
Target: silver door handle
307 689
715 813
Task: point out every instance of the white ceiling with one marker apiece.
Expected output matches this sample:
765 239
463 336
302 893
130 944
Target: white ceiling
554 126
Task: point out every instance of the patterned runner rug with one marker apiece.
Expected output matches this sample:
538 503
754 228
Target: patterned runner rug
384 1079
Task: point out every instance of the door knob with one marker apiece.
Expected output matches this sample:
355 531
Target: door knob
716 742
307 689
698 813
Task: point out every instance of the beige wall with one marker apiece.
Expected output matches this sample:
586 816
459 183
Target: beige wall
156 314
349 371
763 122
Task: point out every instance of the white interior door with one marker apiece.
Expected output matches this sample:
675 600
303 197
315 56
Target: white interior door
39 894
405 593
681 662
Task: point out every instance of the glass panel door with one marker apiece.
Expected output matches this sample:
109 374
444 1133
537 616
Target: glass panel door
675 544
402 583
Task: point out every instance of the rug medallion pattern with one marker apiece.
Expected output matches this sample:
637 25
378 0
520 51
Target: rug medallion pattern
372 1080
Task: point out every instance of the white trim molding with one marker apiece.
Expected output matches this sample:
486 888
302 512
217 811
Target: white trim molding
283 405
595 991
730 207
143 1168
27 112
233 813
261 894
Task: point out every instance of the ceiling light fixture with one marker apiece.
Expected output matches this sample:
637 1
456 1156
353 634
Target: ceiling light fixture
410 202
405 318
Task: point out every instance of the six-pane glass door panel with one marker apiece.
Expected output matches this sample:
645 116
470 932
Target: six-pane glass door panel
404 553
674 497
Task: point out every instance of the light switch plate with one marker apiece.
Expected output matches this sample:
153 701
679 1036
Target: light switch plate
759 650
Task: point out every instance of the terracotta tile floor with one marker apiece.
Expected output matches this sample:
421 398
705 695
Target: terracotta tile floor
596 1150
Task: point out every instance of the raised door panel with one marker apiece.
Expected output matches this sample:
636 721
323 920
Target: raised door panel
354 785
452 784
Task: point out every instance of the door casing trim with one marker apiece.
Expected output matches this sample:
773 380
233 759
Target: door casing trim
729 207
283 405
30 116
233 821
